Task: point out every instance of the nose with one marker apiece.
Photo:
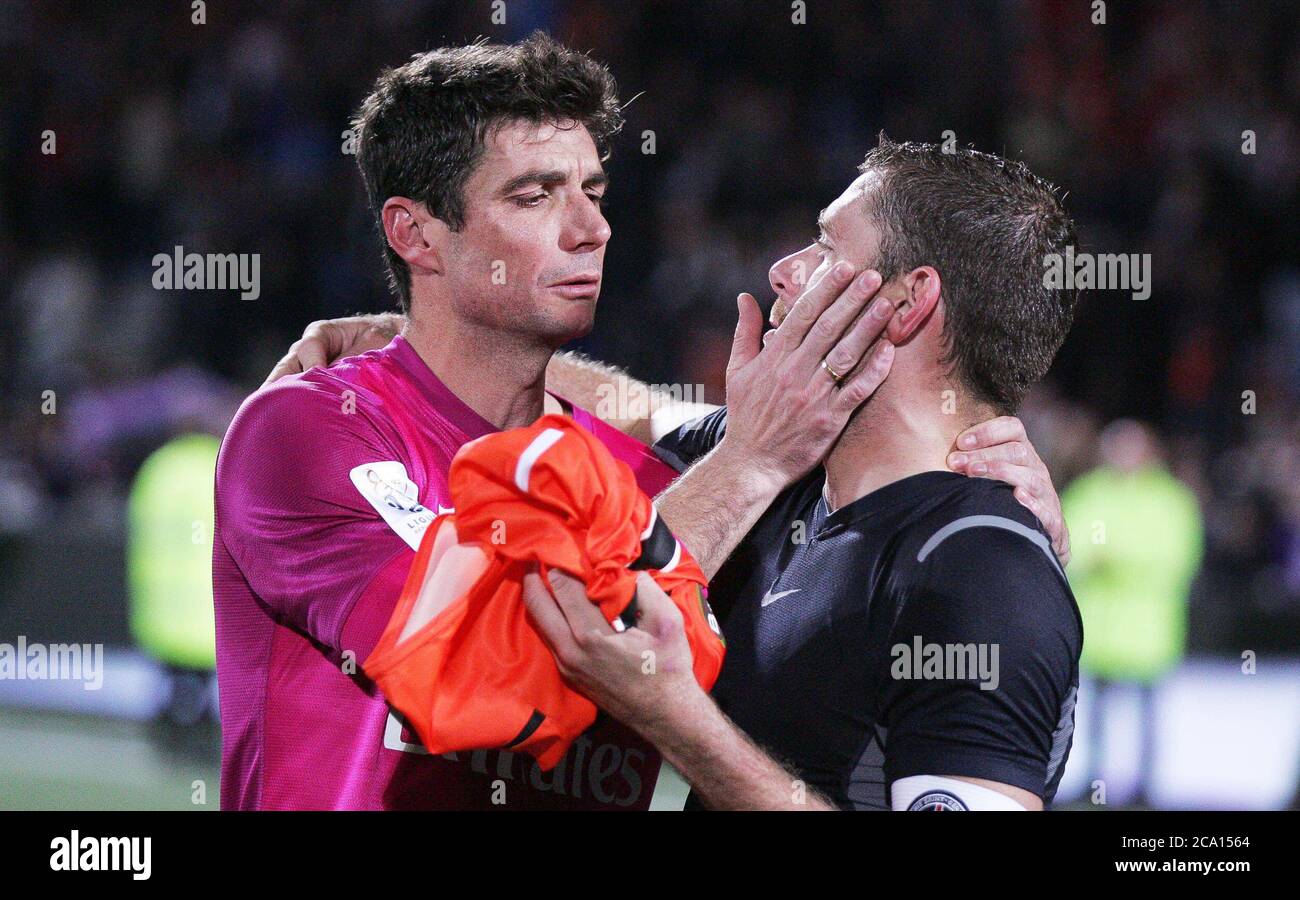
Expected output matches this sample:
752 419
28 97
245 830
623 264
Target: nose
585 227
789 276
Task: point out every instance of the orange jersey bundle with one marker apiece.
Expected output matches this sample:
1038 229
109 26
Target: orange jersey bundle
459 658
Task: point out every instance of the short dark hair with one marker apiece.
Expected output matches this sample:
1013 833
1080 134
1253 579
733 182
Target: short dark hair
421 131
987 225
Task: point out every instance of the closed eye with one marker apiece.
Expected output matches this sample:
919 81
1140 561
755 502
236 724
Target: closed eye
531 200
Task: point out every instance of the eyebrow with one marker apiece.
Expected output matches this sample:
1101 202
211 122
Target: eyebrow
549 177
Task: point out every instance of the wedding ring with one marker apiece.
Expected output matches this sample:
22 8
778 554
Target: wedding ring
835 376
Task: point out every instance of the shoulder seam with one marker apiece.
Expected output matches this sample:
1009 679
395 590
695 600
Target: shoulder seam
987 521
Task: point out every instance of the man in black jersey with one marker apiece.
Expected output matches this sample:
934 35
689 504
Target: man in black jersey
898 635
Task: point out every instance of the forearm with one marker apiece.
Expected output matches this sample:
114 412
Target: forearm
722 764
714 504
616 398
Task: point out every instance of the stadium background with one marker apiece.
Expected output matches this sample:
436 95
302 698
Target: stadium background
228 137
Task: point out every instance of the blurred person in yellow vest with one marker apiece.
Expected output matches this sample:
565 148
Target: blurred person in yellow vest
169 570
1138 546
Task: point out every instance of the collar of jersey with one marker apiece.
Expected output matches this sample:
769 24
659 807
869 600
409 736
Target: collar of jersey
903 492
460 413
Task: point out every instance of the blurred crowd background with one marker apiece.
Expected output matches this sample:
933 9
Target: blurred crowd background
227 137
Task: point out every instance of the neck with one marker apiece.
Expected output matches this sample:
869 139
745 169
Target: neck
500 377
889 439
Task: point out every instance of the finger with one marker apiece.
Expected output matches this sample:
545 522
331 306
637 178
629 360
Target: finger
1015 452
350 336
811 304
1029 502
656 612
854 390
1050 518
313 349
288 365
777 315
583 616
1053 521
1060 535
835 321
845 356
1049 515
1032 488
1026 477
546 615
1063 552
341 334
749 331
994 431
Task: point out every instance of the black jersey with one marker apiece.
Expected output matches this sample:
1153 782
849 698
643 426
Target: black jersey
926 628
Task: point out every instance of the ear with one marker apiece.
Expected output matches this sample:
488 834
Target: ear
415 235
914 303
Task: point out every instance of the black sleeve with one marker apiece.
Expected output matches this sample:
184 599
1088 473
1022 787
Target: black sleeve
682 447
985 594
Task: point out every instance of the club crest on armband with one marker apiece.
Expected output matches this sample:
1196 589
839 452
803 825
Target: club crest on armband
938 801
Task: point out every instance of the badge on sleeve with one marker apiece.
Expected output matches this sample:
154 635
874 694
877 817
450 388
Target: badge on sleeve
938 801
395 497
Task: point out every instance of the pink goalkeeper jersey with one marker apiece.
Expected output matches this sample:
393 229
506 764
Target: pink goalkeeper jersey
325 484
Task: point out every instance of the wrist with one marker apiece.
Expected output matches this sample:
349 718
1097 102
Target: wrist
764 479
669 724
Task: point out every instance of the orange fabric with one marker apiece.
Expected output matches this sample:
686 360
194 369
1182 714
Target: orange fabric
478 675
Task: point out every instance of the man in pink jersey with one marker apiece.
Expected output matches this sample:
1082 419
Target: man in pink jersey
325 485
483 168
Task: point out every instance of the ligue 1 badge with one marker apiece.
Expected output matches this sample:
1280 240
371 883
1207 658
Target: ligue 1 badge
937 801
